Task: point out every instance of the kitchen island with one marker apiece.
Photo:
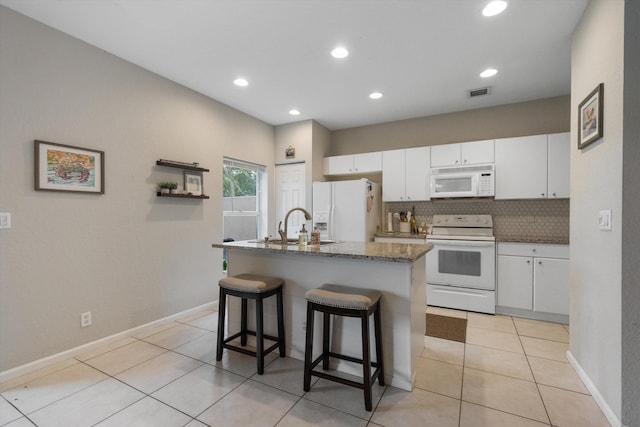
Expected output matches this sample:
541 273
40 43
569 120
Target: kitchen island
397 270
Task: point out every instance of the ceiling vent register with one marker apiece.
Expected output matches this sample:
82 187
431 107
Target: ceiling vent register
479 92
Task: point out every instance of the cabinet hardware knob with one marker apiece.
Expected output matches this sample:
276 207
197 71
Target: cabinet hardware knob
528 262
542 194
539 262
554 194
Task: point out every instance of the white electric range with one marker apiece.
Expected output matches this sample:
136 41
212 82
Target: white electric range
461 267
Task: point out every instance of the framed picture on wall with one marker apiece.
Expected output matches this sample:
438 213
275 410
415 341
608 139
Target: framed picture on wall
590 117
193 183
60 167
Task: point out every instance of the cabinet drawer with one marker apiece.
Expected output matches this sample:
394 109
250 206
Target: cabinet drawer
533 250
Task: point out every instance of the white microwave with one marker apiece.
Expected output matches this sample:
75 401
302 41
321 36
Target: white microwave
463 181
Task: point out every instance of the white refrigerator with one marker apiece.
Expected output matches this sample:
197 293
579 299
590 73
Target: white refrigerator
347 210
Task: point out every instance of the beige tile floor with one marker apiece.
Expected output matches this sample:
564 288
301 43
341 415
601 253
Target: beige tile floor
511 372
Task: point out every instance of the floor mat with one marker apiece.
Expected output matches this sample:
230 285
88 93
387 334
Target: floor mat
448 328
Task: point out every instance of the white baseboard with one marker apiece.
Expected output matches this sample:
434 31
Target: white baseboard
595 393
10 374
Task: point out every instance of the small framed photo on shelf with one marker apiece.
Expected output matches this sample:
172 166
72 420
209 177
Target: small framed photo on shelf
193 183
60 167
590 117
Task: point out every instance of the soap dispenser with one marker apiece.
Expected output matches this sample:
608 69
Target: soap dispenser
303 237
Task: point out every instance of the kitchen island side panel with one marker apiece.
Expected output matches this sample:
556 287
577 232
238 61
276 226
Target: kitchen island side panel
403 318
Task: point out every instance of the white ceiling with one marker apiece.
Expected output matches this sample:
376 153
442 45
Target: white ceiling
422 54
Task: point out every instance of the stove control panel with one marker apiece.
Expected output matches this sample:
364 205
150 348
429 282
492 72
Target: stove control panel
483 221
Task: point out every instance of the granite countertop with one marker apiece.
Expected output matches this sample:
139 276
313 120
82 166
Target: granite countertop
389 252
397 234
562 240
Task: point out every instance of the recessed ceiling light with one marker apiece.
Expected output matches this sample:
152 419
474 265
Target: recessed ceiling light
340 52
294 112
241 82
375 95
494 7
489 72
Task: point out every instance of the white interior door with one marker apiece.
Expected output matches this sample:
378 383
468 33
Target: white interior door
290 193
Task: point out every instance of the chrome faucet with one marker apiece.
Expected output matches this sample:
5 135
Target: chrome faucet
284 233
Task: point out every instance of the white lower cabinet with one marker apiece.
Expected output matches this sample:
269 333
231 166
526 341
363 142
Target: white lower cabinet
533 277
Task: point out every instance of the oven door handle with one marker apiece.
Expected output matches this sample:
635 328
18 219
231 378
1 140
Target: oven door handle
466 243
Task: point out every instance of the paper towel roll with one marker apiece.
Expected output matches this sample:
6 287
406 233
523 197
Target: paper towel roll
389 221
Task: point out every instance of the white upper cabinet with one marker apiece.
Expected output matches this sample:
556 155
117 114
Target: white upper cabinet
533 167
405 174
417 173
461 154
558 150
521 167
353 163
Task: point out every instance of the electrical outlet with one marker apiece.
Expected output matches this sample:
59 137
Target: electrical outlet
85 319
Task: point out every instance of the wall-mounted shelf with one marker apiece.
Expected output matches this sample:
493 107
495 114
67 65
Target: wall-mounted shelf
180 165
186 168
182 196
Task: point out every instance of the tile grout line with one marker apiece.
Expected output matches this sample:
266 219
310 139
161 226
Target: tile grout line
546 411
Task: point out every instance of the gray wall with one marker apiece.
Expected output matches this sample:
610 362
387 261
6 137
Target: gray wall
630 216
596 184
126 256
550 115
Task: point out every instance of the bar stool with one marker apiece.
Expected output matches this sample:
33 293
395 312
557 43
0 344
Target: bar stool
351 302
255 287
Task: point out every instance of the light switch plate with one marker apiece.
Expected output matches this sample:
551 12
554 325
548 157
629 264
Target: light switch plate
604 220
5 220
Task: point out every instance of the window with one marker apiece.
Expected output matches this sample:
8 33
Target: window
244 198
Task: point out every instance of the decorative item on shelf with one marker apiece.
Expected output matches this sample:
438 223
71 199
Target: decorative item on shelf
193 183
167 187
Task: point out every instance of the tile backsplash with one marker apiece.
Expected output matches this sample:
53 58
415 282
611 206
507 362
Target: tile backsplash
511 218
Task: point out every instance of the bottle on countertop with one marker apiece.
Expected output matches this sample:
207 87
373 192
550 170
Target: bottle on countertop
303 237
315 236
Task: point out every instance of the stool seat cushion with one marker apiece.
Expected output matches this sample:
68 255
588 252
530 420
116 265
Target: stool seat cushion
343 296
251 283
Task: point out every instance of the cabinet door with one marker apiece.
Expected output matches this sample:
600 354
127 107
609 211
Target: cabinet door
337 165
417 173
393 177
551 285
515 282
445 155
367 162
521 167
477 152
558 174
